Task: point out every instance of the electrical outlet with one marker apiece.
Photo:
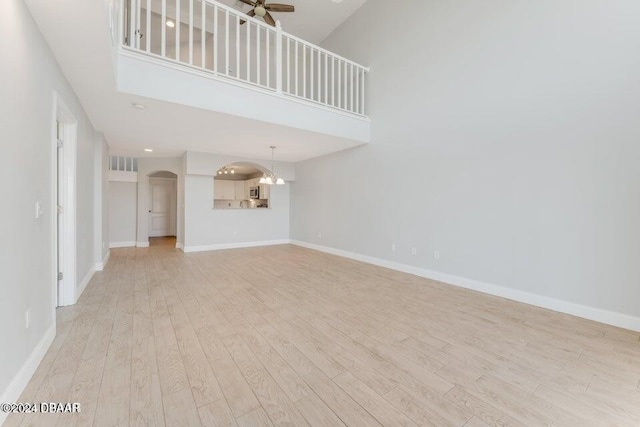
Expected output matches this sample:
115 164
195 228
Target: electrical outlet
393 247
436 254
27 318
414 251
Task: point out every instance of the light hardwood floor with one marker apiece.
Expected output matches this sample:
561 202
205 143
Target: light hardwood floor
288 336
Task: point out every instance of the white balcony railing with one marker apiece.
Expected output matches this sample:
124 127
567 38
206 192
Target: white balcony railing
223 41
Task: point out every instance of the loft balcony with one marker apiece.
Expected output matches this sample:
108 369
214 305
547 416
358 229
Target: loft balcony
207 55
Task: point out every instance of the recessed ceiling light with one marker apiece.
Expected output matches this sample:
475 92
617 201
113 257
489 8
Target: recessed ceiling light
148 150
138 106
170 23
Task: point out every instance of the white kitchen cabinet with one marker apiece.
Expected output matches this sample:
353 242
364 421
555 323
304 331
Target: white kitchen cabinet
265 191
224 190
240 190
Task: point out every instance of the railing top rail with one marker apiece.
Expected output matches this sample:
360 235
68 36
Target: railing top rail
328 52
241 14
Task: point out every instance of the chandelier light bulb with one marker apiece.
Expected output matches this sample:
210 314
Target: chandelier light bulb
280 181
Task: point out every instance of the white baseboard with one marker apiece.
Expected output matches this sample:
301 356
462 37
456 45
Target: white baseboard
188 249
87 278
21 379
101 265
142 244
592 313
180 246
113 245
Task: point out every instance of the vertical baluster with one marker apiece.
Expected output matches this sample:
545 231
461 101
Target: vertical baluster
319 76
226 42
311 67
268 58
296 67
345 85
288 65
132 23
351 77
326 79
177 29
215 43
333 81
278 57
304 70
203 35
238 46
148 35
258 30
340 89
357 109
362 98
190 32
163 36
248 51
138 17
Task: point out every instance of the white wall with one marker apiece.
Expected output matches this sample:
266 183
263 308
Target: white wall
123 205
30 75
505 135
208 228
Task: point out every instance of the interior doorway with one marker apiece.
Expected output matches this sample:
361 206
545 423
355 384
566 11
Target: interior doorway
163 201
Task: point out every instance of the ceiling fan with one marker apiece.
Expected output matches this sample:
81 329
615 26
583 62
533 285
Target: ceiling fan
261 9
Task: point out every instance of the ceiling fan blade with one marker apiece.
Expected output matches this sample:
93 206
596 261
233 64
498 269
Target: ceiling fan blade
269 19
251 13
249 2
277 7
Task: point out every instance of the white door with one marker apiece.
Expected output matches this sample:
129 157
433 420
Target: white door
161 207
60 222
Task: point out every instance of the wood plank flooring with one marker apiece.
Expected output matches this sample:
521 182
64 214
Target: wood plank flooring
289 336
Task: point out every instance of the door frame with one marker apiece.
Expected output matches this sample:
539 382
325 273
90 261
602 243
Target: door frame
173 215
69 130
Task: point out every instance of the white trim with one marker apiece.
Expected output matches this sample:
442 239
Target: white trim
21 379
142 244
113 245
592 313
189 249
64 115
101 265
85 282
180 246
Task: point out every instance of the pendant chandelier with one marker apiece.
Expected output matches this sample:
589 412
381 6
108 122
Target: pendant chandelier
225 171
270 177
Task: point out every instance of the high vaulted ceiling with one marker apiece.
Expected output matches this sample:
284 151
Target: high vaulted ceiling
88 63
313 20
